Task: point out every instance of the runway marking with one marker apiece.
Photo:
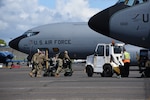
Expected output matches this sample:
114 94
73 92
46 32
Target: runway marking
66 87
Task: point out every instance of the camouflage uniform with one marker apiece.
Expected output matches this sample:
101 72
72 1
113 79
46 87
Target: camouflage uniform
64 63
146 72
38 60
66 56
67 60
59 64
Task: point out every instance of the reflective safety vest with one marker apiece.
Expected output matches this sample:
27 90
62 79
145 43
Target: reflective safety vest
126 57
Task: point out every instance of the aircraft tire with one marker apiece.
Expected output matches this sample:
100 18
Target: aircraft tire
89 71
107 70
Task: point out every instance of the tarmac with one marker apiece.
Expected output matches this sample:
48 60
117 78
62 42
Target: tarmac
15 84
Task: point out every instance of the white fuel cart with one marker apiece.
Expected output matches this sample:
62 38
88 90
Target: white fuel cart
99 62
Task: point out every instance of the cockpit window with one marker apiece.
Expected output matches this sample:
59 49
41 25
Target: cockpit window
121 1
30 33
131 2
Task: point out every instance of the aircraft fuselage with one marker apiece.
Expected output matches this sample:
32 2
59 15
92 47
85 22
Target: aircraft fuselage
77 38
127 21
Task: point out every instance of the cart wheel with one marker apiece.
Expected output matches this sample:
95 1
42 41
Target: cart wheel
68 74
89 71
107 71
53 71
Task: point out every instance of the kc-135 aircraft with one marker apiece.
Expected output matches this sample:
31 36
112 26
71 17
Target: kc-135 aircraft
75 37
127 21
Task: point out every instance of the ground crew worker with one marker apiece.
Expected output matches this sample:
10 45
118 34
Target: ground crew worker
59 64
126 60
64 62
54 60
147 69
116 68
34 65
38 60
67 64
138 59
67 60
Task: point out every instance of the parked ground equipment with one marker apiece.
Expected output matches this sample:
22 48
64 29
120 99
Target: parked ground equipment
99 62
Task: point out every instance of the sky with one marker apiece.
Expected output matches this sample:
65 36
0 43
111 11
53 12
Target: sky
18 16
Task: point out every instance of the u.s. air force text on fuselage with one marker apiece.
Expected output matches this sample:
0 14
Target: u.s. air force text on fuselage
47 42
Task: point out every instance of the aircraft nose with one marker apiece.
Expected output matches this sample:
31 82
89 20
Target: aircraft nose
100 22
15 42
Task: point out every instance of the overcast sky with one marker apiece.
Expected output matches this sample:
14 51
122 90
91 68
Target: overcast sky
17 16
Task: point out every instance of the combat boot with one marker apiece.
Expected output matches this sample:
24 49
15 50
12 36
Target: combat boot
56 75
31 74
38 76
